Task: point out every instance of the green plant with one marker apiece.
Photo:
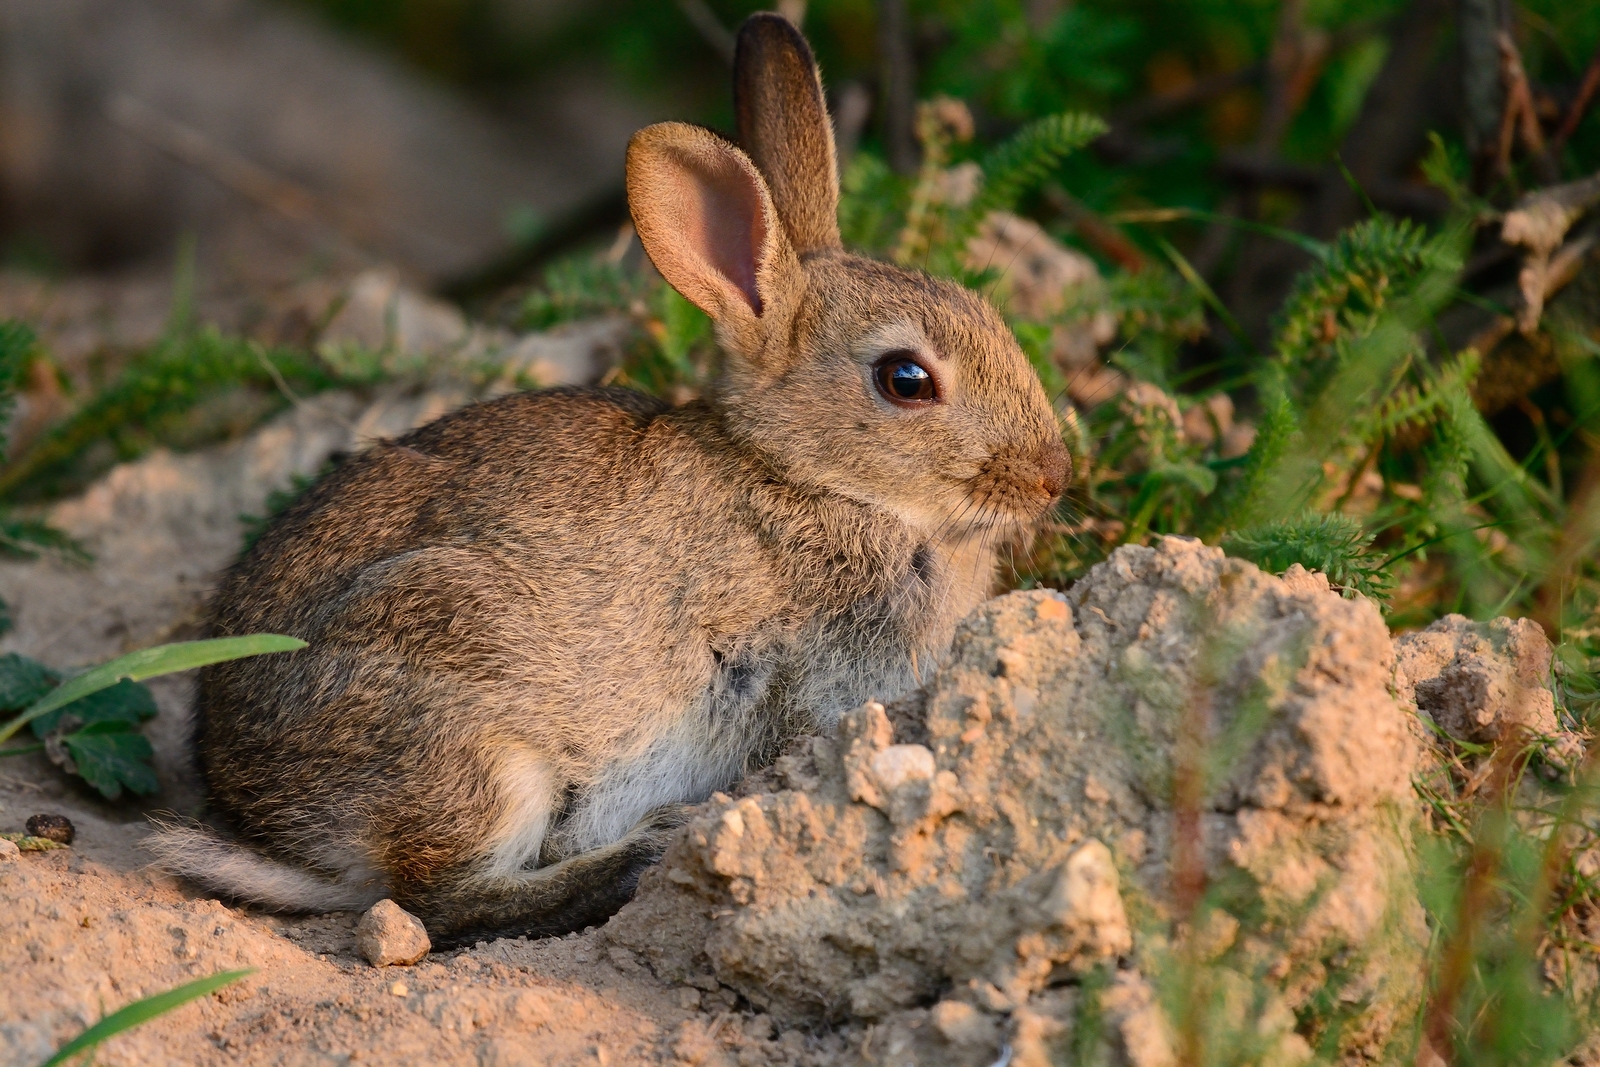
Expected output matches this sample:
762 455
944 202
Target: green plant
89 723
1332 543
144 404
20 537
142 1011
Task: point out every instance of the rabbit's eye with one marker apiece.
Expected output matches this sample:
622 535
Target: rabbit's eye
902 380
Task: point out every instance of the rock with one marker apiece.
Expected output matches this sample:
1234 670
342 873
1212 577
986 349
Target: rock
379 314
962 1024
1479 681
415 334
57 828
388 936
857 882
1038 275
9 850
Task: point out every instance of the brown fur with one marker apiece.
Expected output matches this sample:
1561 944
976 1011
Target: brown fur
783 125
539 626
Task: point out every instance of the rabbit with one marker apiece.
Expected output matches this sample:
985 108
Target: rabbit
542 626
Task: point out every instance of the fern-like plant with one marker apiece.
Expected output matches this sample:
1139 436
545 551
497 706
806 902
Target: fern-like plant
1331 543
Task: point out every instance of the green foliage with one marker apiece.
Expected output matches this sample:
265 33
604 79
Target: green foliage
579 287
142 1011
1340 301
915 223
95 737
109 756
20 537
17 345
1332 543
155 389
870 203
1022 163
89 724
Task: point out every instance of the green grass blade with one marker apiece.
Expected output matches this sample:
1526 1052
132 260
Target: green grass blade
142 1011
1310 245
150 662
1192 276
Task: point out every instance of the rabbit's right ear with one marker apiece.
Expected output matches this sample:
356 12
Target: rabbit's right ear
705 218
783 124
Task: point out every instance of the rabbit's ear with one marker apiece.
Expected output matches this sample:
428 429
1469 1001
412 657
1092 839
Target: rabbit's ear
783 124
707 222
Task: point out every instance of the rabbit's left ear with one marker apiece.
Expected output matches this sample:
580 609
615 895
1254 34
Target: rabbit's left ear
706 220
784 127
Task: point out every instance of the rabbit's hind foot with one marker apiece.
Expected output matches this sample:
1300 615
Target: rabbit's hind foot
580 891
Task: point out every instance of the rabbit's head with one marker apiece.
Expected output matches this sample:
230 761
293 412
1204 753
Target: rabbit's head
845 374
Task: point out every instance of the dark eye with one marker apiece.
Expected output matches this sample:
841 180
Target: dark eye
902 380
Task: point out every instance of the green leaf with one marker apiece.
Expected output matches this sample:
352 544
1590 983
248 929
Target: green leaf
126 702
149 663
23 681
142 1011
30 538
160 384
110 755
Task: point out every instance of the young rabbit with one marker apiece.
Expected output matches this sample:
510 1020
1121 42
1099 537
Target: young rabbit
541 626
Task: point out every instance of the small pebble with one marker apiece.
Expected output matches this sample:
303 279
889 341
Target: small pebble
388 935
399 989
9 850
57 828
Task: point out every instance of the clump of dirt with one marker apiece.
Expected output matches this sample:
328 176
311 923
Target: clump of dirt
1479 681
996 861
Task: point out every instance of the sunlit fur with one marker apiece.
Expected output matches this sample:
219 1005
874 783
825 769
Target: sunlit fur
539 626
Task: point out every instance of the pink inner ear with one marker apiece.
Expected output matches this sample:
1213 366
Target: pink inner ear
727 226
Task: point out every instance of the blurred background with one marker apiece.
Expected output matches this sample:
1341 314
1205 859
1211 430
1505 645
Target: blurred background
453 137
1195 212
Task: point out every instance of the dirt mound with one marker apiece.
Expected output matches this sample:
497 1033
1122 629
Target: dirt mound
964 869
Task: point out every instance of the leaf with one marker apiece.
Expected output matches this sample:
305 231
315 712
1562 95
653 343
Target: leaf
126 702
29 843
23 681
151 662
142 1011
30 538
162 383
111 755
1019 164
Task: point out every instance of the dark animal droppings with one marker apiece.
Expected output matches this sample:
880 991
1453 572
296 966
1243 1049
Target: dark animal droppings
57 828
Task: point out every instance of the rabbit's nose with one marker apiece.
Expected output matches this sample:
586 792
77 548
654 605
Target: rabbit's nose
1055 468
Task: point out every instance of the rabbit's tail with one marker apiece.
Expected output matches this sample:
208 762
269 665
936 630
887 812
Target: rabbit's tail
231 870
